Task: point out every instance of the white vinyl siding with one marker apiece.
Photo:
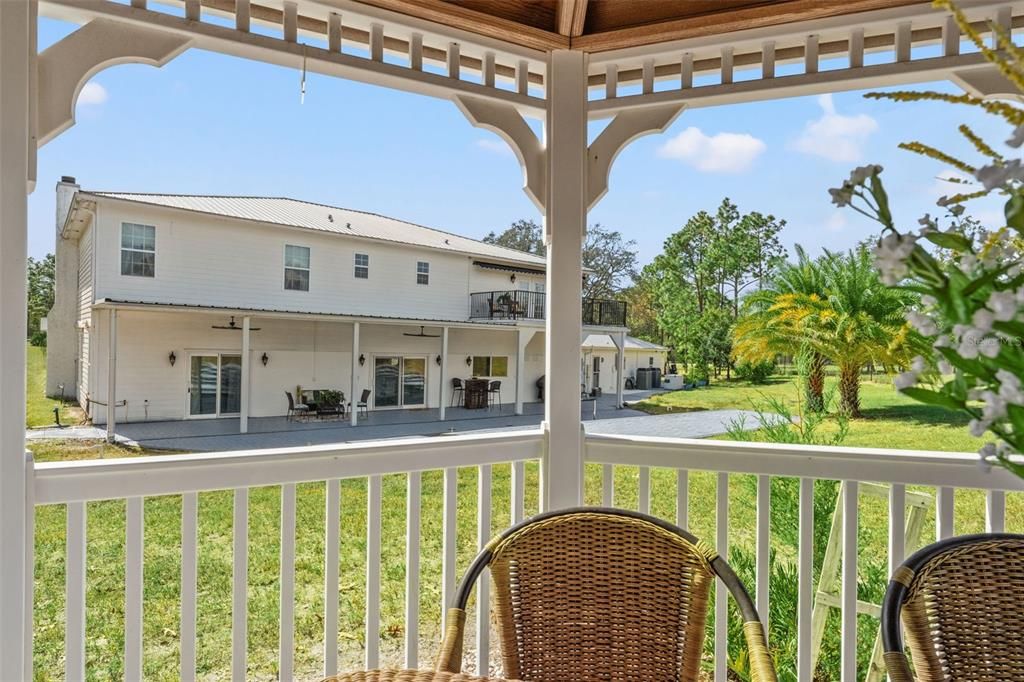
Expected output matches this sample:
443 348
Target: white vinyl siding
422 272
362 269
86 289
138 250
296 268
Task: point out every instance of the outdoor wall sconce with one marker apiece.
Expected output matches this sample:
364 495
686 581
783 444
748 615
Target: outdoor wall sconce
512 278
362 359
265 359
438 360
172 358
469 360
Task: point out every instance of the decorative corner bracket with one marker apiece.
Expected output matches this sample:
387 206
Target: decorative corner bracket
986 82
624 128
507 123
65 67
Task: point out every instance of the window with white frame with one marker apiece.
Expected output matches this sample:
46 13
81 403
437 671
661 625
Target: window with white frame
362 266
296 267
422 272
138 250
490 365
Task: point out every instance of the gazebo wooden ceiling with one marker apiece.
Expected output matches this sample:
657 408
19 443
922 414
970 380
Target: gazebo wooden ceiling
598 25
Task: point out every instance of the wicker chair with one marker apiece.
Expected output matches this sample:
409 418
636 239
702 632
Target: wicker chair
601 594
961 603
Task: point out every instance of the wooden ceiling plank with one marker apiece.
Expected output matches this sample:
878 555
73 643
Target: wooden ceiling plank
571 17
787 11
452 14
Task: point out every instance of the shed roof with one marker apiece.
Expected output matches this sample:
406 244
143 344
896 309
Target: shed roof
332 219
604 341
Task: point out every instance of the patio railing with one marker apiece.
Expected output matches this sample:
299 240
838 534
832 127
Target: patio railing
516 304
697 471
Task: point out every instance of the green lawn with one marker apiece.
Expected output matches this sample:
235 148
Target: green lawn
39 408
891 421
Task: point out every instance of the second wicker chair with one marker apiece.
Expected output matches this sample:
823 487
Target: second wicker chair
602 594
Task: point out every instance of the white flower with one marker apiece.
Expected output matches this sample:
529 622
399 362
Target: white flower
983 319
860 175
968 261
1004 305
1010 388
922 323
978 429
929 300
842 196
994 407
891 255
989 347
970 340
1017 139
1015 270
905 380
944 366
918 364
1020 295
1000 174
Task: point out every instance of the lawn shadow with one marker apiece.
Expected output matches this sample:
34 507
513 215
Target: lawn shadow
918 414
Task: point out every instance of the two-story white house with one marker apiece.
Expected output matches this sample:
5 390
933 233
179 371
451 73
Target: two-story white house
186 307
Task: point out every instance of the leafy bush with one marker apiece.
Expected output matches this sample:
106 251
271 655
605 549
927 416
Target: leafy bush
755 372
38 339
777 423
697 372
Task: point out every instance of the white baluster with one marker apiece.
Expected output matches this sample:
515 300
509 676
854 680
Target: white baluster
721 593
607 485
805 580
332 542
518 490
848 598
682 499
995 511
74 576
287 621
373 499
189 578
763 562
643 490
133 588
483 584
412 571
944 512
239 586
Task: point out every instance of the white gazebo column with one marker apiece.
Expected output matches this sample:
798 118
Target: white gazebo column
111 373
564 222
353 396
243 417
620 369
17 27
444 374
523 338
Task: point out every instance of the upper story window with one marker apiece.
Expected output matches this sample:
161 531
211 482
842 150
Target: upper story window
138 250
296 268
362 266
422 272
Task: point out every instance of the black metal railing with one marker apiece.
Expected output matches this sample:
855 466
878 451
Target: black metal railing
514 304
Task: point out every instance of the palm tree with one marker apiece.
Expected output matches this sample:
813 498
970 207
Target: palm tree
772 321
834 307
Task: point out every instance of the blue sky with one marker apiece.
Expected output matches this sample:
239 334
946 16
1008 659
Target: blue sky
211 124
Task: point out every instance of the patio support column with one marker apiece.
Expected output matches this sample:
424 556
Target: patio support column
353 395
243 416
620 369
17 149
111 373
523 338
444 373
564 221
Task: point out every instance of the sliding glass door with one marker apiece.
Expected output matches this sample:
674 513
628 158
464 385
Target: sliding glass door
215 385
399 381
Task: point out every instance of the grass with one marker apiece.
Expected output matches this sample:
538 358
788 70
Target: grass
891 421
38 407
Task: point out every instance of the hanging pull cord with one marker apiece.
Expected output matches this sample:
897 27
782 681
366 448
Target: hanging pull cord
302 82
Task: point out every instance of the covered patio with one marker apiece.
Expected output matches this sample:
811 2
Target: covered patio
638 69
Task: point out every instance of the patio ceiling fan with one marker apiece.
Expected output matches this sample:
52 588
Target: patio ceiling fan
232 326
422 335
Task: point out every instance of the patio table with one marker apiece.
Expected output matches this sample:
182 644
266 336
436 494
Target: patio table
410 676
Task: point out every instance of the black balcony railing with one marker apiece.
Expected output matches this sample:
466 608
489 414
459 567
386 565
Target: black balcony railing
516 304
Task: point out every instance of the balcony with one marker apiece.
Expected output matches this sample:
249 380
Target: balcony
514 304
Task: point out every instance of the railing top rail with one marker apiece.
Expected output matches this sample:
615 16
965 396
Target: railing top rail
911 467
61 482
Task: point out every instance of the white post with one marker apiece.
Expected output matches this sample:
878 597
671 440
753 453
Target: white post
352 396
16 29
111 374
523 338
620 369
444 373
243 417
564 221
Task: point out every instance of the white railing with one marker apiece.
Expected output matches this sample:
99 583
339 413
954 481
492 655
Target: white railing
698 472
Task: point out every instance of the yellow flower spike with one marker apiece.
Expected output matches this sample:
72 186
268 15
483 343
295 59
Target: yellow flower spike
979 143
933 153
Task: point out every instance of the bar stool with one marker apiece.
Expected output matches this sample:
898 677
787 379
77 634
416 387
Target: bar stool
494 394
457 390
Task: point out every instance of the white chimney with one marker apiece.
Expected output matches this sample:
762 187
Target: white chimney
62 320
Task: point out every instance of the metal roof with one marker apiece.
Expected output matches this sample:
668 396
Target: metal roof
603 341
331 219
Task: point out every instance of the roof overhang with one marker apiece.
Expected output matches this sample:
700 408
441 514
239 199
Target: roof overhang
80 216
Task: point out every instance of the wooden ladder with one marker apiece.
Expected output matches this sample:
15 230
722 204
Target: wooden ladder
827 596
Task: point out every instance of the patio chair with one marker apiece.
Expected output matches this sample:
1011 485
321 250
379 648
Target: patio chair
494 394
363 403
961 605
585 397
295 409
601 594
457 391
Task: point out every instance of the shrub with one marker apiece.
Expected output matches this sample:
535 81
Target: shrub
755 372
697 372
38 339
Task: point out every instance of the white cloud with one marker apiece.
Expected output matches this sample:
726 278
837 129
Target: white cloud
720 153
494 145
834 136
836 222
92 93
